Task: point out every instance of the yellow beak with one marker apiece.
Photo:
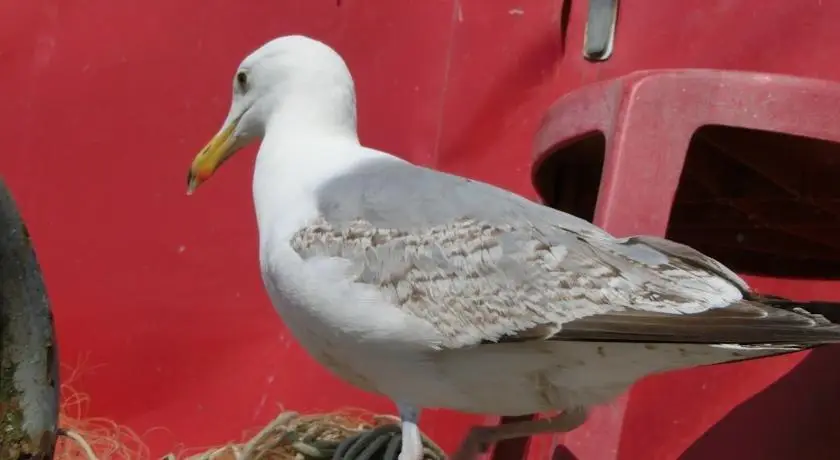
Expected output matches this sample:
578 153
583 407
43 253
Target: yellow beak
211 157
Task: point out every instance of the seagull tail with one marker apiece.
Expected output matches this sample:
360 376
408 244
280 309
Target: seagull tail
827 309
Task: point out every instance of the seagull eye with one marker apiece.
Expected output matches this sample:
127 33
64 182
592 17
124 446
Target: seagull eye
242 80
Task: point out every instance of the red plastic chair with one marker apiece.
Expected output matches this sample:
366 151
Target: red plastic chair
645 124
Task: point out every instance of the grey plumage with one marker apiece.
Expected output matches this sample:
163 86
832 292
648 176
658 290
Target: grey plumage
484 265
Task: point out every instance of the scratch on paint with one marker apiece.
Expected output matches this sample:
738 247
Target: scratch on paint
457 16
269 380
260 406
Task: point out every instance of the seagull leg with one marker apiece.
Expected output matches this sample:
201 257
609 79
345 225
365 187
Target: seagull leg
480 438
412 442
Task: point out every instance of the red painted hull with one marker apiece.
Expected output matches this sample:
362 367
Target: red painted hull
157 296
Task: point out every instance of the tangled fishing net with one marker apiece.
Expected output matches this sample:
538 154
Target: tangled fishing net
347 434
92 437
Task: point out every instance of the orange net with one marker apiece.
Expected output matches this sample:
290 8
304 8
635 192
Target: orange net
285 438
98 437
293 436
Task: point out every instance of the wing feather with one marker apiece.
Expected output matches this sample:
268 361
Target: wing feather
481 264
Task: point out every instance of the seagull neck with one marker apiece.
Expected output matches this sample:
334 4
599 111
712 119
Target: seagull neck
298 146
330 111
293 160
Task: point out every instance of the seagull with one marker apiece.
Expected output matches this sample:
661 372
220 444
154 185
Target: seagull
438 291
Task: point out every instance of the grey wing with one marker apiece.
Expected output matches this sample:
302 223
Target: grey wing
481 264
752 319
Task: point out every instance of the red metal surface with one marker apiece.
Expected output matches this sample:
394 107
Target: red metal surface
105 103
648 123
648 120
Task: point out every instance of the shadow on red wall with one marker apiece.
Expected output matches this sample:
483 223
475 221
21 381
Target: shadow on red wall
791 408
